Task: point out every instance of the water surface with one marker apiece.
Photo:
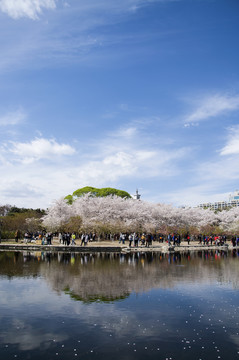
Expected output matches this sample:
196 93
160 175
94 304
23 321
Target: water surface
104 306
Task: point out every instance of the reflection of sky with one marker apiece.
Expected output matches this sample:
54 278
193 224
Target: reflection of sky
188 321
36 318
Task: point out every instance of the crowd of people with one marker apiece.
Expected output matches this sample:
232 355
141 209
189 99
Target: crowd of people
201 239
131 239
70 238
175 239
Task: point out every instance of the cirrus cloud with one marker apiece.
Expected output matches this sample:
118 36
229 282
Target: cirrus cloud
232 146
213 106
13 117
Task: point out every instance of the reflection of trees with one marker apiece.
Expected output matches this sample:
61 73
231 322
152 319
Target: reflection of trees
109 277
93 298
16 264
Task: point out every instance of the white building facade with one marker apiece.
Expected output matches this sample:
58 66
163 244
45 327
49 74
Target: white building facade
220 205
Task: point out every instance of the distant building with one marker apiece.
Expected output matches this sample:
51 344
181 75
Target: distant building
234 197
136 196
220 205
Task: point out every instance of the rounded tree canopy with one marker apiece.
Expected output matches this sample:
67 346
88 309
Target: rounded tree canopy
97 193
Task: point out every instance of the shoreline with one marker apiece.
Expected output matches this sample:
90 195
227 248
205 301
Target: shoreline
110 246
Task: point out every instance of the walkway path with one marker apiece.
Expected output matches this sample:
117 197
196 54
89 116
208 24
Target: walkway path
109 246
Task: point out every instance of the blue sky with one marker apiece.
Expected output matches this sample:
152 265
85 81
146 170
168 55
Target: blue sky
121 93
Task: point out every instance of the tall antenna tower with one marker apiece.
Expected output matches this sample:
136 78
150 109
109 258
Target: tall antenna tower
137 195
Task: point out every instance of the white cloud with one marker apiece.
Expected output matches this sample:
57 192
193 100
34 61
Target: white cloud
194 195
120 159
213 106
22 189
13 118
232 147
117 158
28 178
209 180
212 181
40 149
25 8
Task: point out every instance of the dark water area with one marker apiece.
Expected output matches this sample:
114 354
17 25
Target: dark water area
132 306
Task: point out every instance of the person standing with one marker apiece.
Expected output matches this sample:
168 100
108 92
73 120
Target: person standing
68 238
60 238
169 239
136 240
49 238
179 239
143 239
86 239
73 238
130 239
17 235
121 238
148 240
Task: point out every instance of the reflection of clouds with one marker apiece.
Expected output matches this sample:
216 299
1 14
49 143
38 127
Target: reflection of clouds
32 291
23 301
93 315
235 340
28 337
116 321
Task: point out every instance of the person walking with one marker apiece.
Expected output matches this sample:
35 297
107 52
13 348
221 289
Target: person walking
82 239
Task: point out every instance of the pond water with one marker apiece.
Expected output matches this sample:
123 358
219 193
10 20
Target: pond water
112 306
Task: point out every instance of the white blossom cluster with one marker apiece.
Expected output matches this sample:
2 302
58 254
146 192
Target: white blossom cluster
119 214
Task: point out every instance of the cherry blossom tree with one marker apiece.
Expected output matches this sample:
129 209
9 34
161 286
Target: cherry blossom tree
115 214
57 215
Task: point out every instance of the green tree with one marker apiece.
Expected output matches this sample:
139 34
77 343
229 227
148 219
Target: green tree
27 220
96 192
